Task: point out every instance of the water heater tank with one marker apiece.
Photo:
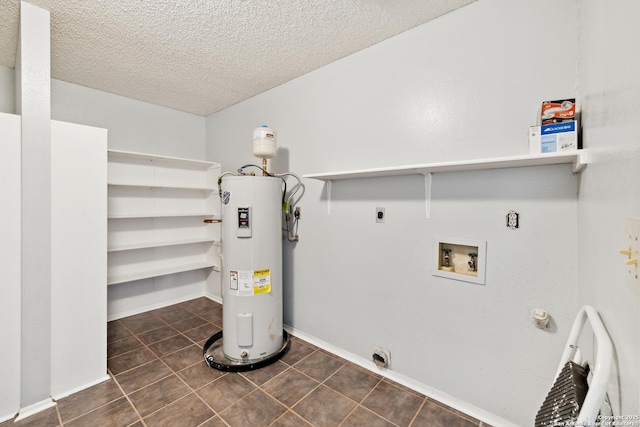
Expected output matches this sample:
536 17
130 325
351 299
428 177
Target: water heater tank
251 267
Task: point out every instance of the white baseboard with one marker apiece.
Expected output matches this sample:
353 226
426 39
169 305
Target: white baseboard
7 417
428 391
80 388
33 409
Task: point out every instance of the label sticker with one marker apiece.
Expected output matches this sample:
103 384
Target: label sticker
233 280
225 197
262 281
249 282
245 282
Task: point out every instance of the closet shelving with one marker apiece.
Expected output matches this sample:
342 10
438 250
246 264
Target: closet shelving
163 213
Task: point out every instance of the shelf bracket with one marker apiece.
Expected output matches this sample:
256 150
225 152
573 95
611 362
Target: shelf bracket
427 193
581 161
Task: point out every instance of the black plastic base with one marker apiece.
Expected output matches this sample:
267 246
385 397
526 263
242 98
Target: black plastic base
215 358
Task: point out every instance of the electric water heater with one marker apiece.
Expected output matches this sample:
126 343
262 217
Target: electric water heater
251 266
252 232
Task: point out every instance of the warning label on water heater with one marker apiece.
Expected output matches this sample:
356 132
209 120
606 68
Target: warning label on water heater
262 281
249 282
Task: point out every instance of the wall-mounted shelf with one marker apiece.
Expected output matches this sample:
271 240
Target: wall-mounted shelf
162 214
145 274
577 158
155 244
153 187
151 158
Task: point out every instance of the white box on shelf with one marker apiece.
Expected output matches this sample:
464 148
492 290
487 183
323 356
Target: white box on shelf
553 138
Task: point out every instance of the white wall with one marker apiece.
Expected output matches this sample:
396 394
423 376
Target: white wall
147 128
7 90
10 265
78 257
33 103
133 125
610 189
464 86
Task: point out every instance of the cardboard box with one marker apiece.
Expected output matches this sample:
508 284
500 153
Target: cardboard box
563 110
553 138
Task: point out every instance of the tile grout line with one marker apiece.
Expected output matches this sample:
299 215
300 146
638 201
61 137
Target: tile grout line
457 413
358 404
215 413
424 402
167 376
158 357
367 409
146 346
293 367
285 413
290 408
321 383
126 396
111 377
59 414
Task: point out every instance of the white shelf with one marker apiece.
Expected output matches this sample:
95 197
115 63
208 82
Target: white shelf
156 208
137 170
142 245
114 154
154 186
577 158
139 275
162 215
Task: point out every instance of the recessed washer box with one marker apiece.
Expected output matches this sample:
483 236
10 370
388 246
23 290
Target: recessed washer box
460 259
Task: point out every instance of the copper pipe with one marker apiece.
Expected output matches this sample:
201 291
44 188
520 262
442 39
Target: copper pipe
210 221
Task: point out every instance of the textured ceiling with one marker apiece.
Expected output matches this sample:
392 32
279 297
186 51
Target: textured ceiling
202 56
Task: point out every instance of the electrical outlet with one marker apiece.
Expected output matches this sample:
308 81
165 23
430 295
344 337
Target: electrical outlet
379 214
513 220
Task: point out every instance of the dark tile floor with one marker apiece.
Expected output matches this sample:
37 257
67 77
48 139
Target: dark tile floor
159 378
